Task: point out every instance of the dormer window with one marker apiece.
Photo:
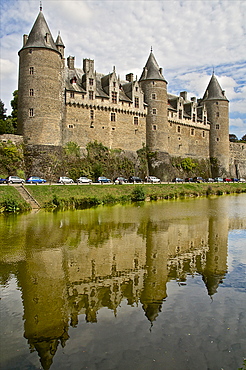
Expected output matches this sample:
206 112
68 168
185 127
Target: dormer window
136 102
91 81
91 95
136 89
73 80
114 84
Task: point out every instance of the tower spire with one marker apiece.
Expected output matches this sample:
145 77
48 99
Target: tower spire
40 6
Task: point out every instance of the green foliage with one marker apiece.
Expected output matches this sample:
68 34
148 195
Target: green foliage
3 111
187 164
72 149
244 365
6 126
138 194
143 161
11 157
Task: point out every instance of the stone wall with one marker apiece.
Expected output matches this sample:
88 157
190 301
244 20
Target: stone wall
238 160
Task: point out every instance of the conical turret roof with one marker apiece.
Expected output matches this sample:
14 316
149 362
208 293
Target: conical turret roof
214 91
151 70
59 41
40 35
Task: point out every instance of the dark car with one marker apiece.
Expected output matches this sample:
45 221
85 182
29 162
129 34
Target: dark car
234 179
198 179
35 180
135 179
189 179
103 179
177 179
120 180
2 181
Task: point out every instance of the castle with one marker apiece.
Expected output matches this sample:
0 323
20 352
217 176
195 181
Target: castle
59 103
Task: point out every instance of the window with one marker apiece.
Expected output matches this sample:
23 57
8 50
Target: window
203 134
178 129
91 81
217 103
70 126
136 88
31 92
217 139
180 113
30 51
92 114
204 120
113 117
154 96
154 127
192 131
136 121
136 102
194 117
31 70
154 110
71 94
114 97
114 84
217 114
91 95
217 126
31 112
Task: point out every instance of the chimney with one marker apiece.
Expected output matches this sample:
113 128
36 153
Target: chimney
129 77
183 95
70 62
25 38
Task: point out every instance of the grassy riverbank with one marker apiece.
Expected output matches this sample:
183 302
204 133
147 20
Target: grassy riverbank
83 196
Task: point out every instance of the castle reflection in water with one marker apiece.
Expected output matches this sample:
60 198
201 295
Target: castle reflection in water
75 263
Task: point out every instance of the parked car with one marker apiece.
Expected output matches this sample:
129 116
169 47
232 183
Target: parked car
209 179
198 179
35 180
103 179
83 180
152 179
14 180
177 179
135 179
65 180
218 179
120 180
234 179
189 179
242 180
2 181
227 179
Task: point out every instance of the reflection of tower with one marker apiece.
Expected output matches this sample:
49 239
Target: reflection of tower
154 290
216 262
43 289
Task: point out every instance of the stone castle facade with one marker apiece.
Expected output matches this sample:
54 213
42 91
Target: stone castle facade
59 103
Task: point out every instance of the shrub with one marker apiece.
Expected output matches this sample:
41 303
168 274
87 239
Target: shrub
138 194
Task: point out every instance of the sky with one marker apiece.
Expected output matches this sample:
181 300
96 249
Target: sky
190 40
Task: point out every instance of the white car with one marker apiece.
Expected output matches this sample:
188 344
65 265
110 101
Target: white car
65 180
83 180
153 179
242 180
14 180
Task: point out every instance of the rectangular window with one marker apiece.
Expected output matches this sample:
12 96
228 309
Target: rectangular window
204 120
136 121
92 114
154 127
154 96
113 118
91 81
192 131
31 70
217 114
178 129
203 134
114 97
136 102
31 92
71 94
217 126
31 112
194 117
154 110
91 95
180 113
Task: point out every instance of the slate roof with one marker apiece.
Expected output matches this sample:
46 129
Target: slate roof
214 91
36 38
151 70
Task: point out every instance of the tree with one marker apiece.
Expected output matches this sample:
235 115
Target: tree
14 105
233 137
243 138
3 111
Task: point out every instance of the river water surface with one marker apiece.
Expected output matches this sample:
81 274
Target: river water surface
154 286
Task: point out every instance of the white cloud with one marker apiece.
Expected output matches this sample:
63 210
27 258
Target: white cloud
189 38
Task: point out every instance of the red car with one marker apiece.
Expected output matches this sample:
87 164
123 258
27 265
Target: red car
227 180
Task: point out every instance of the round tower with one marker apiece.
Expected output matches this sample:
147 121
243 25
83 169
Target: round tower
40 87
154 87
217 106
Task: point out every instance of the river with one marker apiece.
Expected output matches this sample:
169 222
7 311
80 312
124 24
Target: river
158 285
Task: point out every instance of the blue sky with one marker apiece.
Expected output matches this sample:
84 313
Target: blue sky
189 40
